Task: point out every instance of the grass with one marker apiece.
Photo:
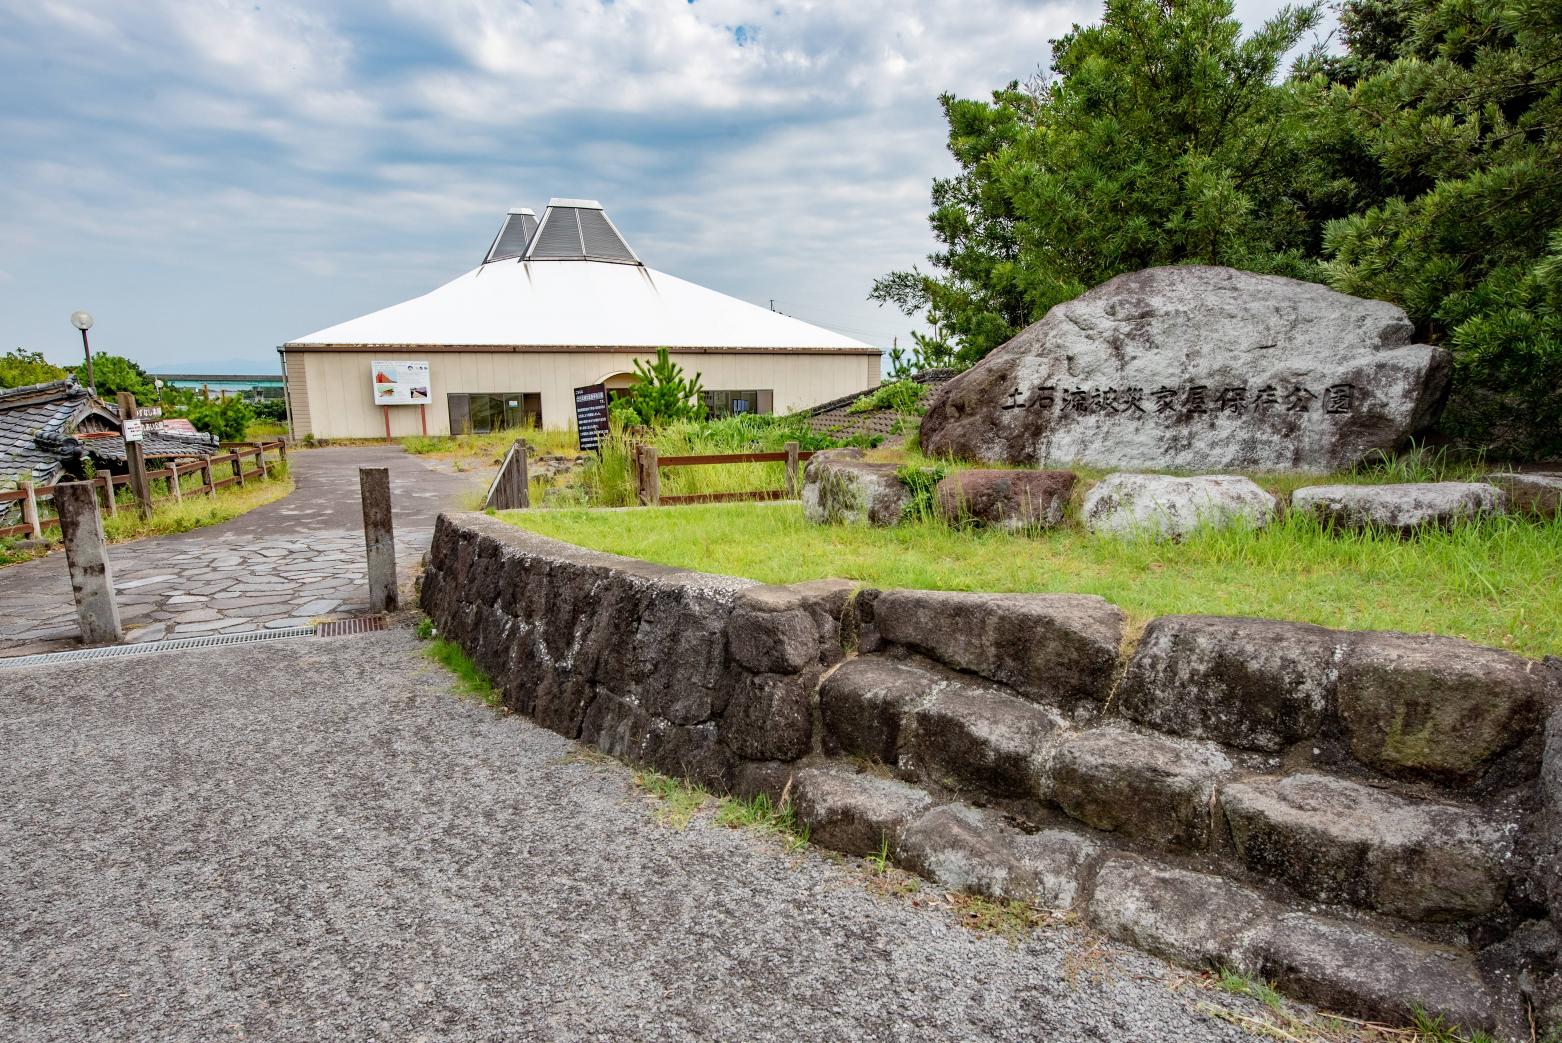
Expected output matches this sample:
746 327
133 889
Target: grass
1493 582
680 799
264 430
1277 1019
469 679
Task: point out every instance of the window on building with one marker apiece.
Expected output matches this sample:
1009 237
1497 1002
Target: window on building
731 403
480 413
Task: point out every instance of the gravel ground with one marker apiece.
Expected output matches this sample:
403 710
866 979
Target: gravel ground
314 838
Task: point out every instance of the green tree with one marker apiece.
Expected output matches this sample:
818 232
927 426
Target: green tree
662 394
19 368
227 419
1460 105
112 374
1162 137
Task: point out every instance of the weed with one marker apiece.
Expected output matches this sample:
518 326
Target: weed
425 628
1279 1020
879 860
469 678
1239 984
586 755
680 798
1012 920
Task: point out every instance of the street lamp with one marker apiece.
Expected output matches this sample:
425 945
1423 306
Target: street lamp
83 321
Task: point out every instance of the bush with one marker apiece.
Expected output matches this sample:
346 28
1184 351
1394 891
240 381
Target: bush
903 396
227 419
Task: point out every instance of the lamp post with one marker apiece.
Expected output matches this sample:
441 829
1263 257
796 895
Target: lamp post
83 321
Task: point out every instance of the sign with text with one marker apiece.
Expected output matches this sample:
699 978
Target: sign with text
134 429
591 414
400 383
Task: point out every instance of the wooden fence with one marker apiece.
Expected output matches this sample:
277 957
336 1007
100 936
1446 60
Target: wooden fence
648 475
231 464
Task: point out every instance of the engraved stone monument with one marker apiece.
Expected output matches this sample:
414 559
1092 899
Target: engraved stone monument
1196 368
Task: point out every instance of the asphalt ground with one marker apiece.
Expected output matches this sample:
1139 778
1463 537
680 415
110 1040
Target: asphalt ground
317 839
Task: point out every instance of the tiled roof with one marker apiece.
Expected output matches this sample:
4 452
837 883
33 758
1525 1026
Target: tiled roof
154 445
35 422
835 417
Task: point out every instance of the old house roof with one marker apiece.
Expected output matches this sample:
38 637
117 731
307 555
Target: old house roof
43 427
835 417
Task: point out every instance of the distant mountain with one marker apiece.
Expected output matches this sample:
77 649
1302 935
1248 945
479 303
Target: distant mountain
247 367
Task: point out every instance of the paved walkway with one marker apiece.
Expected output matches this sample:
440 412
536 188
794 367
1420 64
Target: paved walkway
285 564
313 839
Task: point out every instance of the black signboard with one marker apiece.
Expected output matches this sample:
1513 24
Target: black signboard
591 414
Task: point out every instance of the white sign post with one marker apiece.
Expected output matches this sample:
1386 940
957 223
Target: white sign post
133 429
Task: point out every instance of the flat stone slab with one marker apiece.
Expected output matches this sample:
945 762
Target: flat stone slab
1012 501
1162 507
1530 492
971 737
1149 787
1401 508
857 814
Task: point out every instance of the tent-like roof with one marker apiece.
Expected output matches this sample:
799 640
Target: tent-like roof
576 285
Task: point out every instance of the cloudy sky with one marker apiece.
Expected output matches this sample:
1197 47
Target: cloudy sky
213 178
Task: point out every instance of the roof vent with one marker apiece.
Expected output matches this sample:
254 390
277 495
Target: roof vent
511 241
578 230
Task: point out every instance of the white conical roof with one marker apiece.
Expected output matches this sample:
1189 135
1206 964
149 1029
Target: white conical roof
579 286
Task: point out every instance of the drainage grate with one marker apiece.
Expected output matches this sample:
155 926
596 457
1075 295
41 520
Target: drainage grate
356 625
116 651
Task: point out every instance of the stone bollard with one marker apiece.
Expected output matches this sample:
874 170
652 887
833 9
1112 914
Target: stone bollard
379 537
86 555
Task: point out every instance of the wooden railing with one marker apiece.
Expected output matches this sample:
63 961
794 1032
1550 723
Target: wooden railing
648 475
33 497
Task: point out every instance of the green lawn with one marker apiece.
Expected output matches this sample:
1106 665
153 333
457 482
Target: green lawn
1495 582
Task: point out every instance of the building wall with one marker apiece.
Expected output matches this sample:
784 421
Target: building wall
337 400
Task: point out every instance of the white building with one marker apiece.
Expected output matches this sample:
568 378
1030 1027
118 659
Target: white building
556 305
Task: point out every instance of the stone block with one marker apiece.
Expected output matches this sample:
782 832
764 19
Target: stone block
825 601
1057 861
1159 506
1149 787
1437 707
1364 973
839 488
769 717
623 730
1049 647
1530 492
961 848
1340 841
865 702
975 738
1402 508
1259 684
771 631
856 814
1191 919
773 779
1013 501
1551 814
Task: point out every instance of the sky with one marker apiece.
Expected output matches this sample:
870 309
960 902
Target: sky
211 179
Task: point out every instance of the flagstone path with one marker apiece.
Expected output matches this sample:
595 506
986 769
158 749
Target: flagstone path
287 564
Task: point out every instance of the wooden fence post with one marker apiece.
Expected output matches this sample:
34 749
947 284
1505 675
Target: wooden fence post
173 482
134 457
791 469
282 450
379 537
30 510
650 477
86 556
108 493
511 486
207 478
238 467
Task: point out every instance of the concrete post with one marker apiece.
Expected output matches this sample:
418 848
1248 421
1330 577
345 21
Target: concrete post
86 555
135 458
379 537
30 511
791 470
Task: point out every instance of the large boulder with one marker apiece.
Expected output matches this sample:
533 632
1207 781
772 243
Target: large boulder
1015 501
1402 508
1532 492
1161 506
839 487
1196 368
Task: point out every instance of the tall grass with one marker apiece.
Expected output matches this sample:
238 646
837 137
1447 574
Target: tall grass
1494 581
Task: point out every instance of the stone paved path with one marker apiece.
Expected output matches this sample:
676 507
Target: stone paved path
286 564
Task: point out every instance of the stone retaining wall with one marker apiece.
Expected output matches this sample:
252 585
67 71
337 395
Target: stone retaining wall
1370 819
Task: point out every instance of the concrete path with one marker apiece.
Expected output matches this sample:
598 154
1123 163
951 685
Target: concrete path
285 564
315 839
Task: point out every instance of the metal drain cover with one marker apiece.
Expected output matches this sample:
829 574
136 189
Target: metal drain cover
355 625
118 651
